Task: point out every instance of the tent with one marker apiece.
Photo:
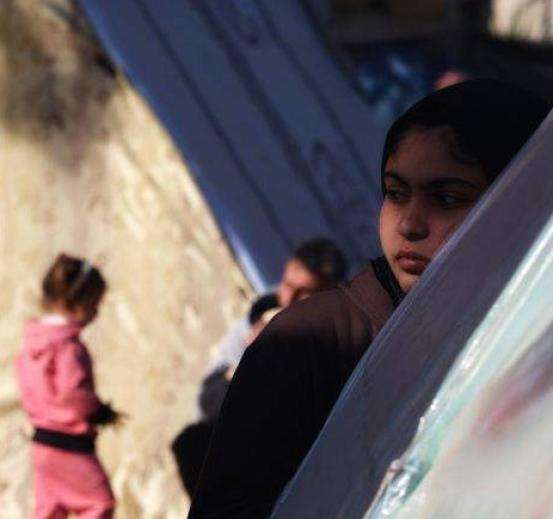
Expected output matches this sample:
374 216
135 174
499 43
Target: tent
279 141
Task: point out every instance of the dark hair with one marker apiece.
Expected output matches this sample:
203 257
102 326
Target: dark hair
490 120
189 449
72 281
262 305
322 258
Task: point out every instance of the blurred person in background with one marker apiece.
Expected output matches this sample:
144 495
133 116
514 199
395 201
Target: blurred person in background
54 372
315 265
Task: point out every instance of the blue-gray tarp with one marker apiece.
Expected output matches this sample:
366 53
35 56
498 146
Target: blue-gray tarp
279 142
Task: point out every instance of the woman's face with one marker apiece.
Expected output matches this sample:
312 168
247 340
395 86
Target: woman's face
427 196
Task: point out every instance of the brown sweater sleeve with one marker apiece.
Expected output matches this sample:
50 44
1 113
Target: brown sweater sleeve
278 401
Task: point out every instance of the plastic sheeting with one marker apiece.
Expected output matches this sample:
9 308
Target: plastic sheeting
378 411
279 141
484 447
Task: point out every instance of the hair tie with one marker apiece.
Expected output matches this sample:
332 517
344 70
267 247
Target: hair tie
84 272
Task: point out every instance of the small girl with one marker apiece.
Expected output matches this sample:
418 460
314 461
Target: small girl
54 372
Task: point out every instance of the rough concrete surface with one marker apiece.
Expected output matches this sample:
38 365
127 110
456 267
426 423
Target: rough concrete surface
85 168
523 19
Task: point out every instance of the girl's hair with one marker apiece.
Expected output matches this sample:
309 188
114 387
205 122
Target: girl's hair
490 121
72 282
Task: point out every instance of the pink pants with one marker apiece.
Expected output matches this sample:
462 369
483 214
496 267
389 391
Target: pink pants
69 482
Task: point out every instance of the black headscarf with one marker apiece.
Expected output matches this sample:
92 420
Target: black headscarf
387 279
491 120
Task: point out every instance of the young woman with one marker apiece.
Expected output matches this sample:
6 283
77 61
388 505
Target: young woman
438 159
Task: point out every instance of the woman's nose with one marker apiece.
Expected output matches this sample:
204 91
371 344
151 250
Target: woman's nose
413 224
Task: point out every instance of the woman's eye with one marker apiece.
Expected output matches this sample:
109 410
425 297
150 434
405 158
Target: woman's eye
395 195
449 199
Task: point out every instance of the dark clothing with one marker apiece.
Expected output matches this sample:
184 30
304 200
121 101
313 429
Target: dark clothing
386 278
281 395
83 443
215 385
189 449
212 393
262 305
190 446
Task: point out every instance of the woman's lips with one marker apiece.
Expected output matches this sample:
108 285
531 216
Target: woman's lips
411 262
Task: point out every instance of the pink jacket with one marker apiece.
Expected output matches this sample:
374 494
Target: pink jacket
54 372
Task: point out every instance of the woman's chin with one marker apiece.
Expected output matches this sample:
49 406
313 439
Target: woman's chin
406 280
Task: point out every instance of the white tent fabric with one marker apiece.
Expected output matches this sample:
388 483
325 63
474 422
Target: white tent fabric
483 448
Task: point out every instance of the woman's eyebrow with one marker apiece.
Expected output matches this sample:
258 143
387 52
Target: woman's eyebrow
451 181
395 176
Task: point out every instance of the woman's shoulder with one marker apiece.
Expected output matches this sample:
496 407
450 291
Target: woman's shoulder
362 295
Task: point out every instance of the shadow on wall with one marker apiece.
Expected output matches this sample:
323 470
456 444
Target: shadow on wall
57 79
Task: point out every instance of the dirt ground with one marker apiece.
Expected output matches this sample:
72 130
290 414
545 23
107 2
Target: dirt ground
86 168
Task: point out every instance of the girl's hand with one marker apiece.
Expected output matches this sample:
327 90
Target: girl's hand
106 415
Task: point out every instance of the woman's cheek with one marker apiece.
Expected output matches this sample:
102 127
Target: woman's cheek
442 231
386 227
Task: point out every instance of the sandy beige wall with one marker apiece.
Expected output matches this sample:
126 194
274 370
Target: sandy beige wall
523 19
85 168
